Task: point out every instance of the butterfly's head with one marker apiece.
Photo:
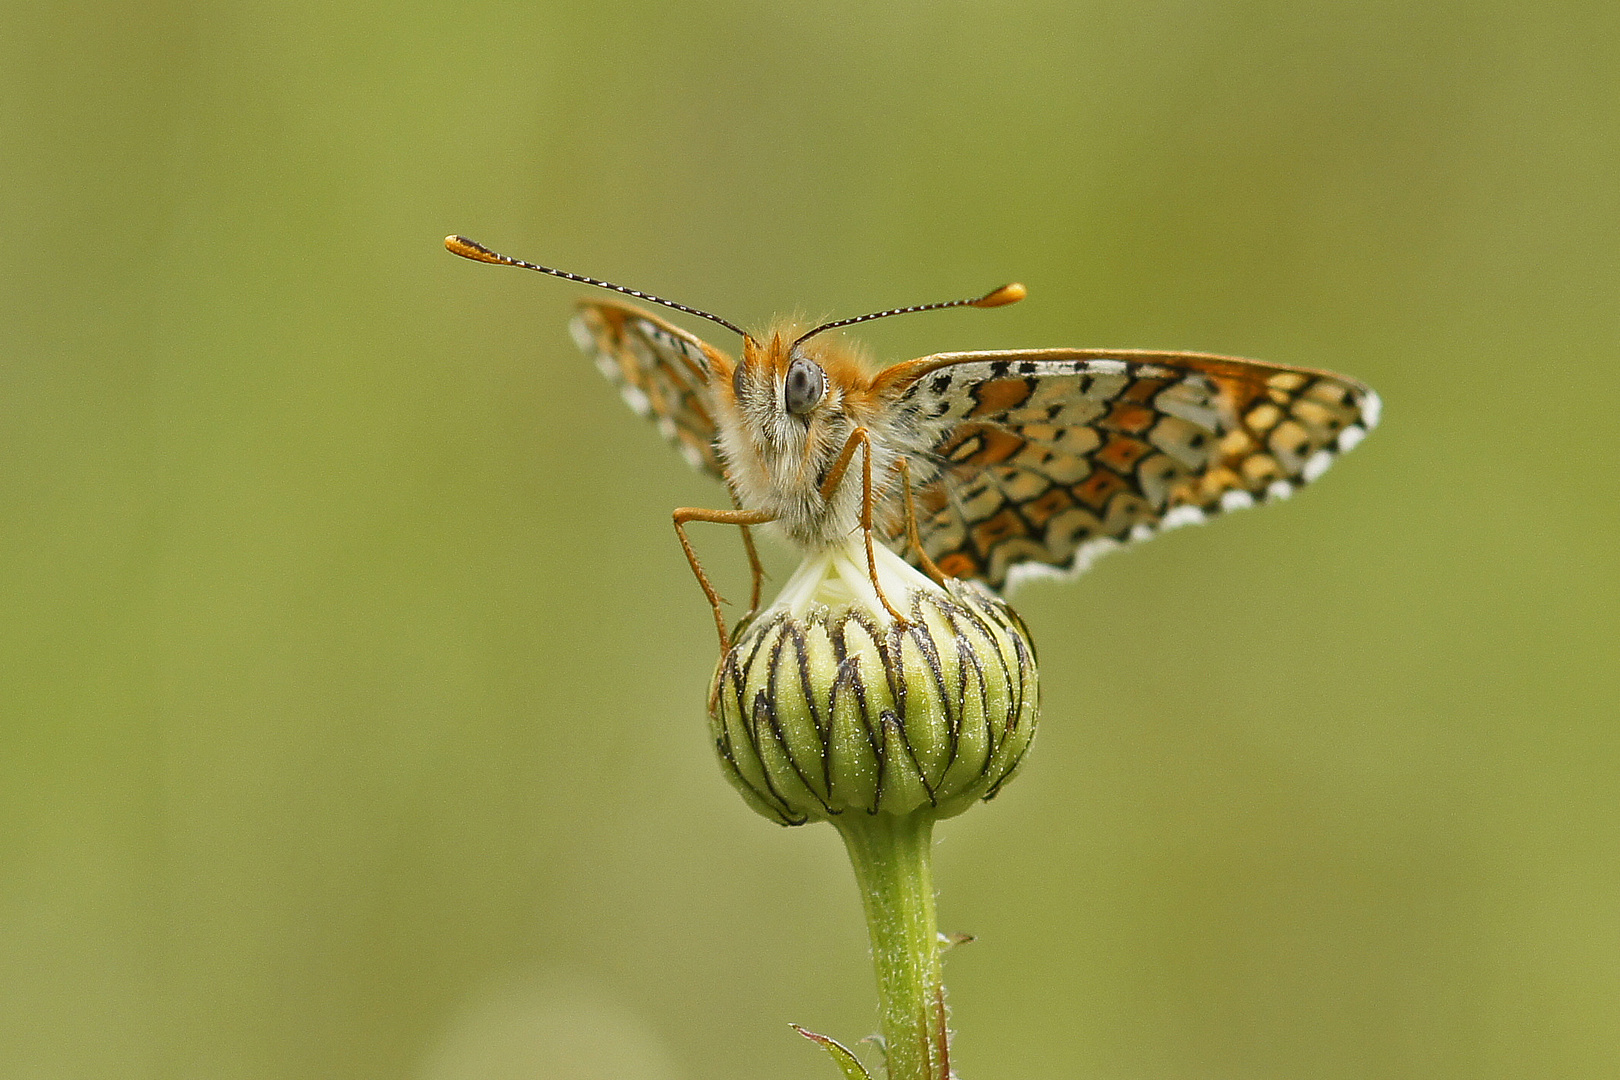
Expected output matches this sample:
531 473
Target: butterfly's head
790 394
787 410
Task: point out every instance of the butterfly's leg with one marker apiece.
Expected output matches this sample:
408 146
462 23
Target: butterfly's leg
755 567
928 564
859 439
718 517
866 525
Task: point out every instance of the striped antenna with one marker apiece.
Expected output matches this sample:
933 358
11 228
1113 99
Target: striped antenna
470 249
1007 294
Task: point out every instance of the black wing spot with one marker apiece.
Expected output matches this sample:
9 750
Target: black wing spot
1027 367
999 368
940 384
942 408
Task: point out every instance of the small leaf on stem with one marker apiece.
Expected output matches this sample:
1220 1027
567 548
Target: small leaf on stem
847 1061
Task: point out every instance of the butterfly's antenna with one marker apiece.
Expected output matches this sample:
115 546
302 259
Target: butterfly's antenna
470 249
1007 294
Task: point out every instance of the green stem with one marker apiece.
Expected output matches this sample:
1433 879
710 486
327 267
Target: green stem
891 854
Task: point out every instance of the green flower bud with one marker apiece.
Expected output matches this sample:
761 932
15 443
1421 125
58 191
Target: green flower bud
827 704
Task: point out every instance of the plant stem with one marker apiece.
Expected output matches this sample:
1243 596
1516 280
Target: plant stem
891 854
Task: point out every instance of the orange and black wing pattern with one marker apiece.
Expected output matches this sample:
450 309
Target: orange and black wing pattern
1026 463
662 371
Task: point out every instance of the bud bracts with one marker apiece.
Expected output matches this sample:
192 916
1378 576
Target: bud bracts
825 704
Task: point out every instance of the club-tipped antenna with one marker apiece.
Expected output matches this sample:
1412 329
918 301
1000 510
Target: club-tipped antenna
1010 293
471 249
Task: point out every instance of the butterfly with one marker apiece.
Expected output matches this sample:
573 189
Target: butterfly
987 466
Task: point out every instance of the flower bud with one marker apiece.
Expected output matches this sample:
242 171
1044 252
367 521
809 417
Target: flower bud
827 704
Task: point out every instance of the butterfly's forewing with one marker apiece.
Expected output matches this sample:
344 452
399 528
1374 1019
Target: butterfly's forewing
661 370
1037 461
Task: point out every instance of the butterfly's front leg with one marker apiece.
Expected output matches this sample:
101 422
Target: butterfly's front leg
928 564
859 439
755 567
743 518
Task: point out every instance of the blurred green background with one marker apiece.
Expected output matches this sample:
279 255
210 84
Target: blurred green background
352 680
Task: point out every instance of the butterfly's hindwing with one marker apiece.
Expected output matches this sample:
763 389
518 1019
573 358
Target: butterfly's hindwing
661 371
1031 462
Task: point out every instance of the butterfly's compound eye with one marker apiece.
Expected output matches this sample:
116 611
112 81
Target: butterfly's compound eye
806 383
737 380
